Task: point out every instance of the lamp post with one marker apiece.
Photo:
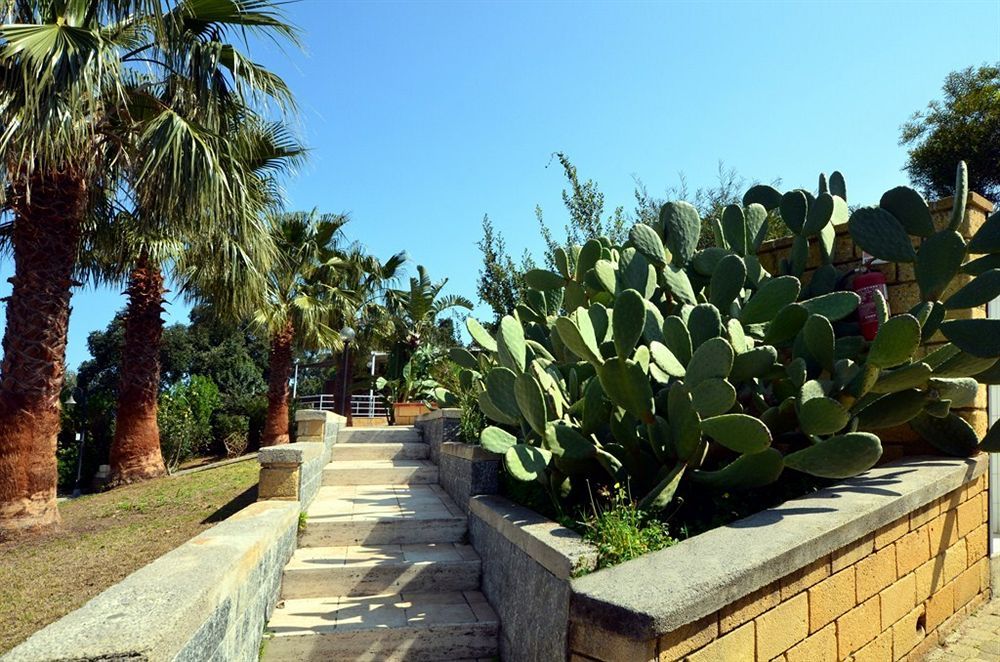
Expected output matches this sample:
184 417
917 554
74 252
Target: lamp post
81 436
347 334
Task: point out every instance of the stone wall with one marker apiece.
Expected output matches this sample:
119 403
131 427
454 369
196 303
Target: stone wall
209 599
527 564
878 568
437 427
206 600
294 472
467 471
903 295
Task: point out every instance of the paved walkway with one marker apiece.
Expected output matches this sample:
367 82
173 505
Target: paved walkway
383 570
976 639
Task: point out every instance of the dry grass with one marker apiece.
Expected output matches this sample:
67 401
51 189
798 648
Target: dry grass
105 537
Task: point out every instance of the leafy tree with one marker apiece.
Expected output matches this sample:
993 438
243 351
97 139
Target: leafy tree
500 280
303 297
585 204
963 125
214 258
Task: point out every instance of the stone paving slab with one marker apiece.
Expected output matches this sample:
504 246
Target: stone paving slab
977 639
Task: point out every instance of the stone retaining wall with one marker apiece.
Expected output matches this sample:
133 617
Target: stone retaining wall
209 599
294 472
206 600
877 568
903 295
467 471
437 427
527 564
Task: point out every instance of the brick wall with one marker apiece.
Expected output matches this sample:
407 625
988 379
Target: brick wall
903 295
891 595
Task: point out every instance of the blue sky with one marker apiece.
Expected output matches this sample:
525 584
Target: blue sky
423 116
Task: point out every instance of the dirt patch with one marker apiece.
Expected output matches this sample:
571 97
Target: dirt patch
105 537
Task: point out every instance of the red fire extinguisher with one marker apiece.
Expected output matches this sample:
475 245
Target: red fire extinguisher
865 284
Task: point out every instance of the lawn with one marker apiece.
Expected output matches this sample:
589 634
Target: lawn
105 537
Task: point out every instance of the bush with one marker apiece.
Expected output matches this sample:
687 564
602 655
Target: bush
184 417
621 531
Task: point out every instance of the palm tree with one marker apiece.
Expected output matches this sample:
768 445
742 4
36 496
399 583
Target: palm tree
304 295
417 308
219 262
71 73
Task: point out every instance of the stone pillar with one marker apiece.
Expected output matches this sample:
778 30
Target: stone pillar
294 472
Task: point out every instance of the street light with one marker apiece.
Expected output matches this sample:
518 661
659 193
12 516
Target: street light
80 436
347 334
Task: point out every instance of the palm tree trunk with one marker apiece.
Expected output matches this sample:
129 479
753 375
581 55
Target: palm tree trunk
135 451
48 213
280 370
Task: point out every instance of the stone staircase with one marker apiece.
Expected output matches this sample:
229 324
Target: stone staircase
382 571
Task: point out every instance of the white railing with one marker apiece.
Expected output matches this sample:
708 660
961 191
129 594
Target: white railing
362 405
323 401
369 406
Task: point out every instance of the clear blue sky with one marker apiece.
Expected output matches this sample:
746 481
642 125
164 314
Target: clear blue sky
423 116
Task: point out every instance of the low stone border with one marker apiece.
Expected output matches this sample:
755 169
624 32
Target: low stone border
206 600
437 427
215 465
467 471
527 564
881 565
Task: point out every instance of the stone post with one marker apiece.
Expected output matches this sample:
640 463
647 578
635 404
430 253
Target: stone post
294 472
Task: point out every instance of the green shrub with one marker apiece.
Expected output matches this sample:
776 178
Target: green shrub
231 432
184 418
620 531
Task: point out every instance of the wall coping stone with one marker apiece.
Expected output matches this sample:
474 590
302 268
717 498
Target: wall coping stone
298 453
318 415
471 452
659 592
974 201
153 613
434 414
559 550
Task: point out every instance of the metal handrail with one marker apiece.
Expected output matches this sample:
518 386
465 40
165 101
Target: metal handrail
362 405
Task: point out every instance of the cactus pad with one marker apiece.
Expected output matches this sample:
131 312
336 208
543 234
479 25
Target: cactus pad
880 234
842 456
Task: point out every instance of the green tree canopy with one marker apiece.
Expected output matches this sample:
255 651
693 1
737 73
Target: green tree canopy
963 125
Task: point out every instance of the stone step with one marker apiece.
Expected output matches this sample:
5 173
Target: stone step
380 472
396 433
315 572
346 515
381 451
414 627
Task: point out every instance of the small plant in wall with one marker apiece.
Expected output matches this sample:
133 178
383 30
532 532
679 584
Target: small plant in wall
661 366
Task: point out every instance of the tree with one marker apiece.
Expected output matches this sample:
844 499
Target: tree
500 280
67 70
964 125
303 297
214 259
585 204
416 309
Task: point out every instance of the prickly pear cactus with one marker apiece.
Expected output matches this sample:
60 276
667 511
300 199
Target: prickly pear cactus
661 364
